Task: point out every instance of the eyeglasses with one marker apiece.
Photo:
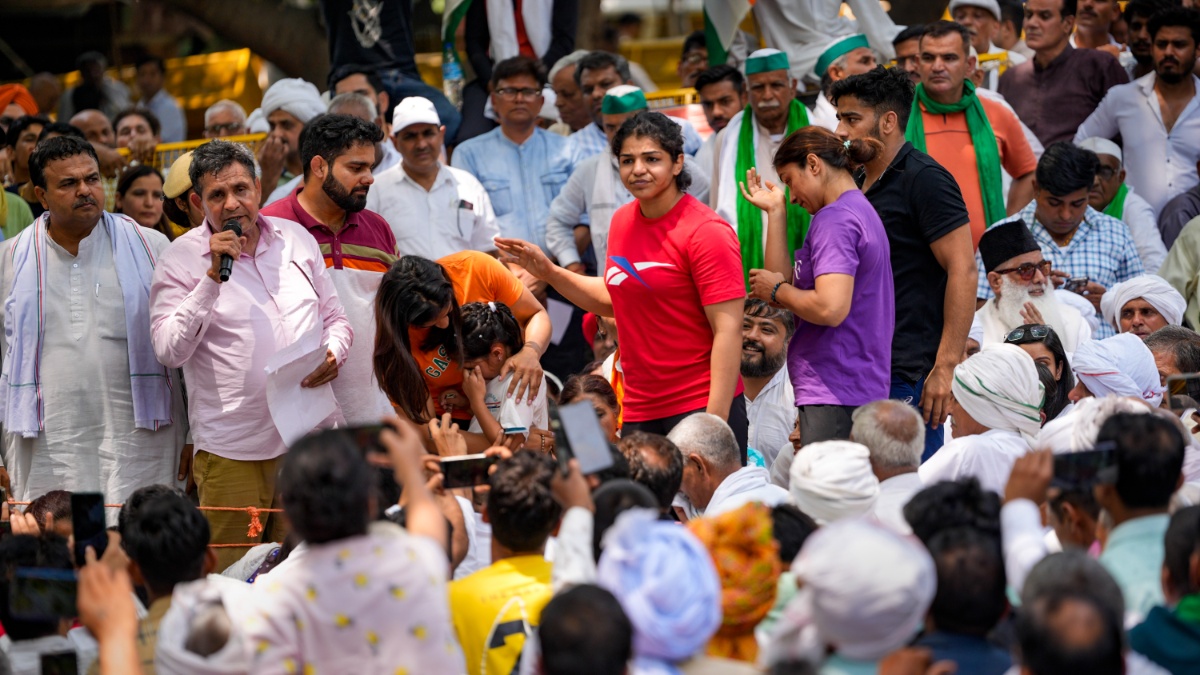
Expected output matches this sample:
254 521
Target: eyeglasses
1027 270
218 129
522 92
1106 173
1036 332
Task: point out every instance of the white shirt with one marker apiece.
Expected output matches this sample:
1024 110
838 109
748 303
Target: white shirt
988 456
805 28
747 484
514 417
894 495
89 442
824 114
772 415
1143 226
173 125
454 216
1158 164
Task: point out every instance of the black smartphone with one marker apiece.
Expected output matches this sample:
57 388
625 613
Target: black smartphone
60 663
87 518
366 438
1077 284
1082 469
577 434
466 471
41 594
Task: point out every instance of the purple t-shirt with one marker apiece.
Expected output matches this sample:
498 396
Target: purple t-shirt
850 364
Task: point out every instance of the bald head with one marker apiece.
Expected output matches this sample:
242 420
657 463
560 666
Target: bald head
95 127
893 431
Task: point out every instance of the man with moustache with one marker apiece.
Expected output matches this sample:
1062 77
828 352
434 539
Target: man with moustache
1137 17
722 91
1143 305
770 398
358 245
982 19
1157 116
85 404
1019 276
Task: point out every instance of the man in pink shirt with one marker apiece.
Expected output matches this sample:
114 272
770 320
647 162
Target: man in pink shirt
222 334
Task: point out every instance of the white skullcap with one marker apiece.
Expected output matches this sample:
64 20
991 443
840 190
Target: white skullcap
1120 365
990 5
189 601
864 590
999 388
832 480
294 96
1102 146
1149 287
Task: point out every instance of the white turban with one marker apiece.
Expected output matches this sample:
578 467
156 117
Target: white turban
190 601
256 123
863 590
1122 365
832 480
1149 287
295 96
1000 389
1082 305
1077 430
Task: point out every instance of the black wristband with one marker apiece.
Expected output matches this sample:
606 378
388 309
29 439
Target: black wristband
776 290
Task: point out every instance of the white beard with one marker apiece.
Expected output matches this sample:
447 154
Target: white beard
1012 299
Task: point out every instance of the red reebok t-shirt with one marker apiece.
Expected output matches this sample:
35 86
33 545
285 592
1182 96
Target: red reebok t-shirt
661 273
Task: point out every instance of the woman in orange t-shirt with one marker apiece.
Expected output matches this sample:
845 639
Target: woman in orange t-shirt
418 338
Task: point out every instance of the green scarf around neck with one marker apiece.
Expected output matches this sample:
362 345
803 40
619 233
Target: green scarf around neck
1188 609
987 151
749 216
1116 208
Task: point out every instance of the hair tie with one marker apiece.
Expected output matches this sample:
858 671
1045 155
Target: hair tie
846 145
491 306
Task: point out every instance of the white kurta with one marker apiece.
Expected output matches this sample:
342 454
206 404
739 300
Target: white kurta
805 28
90 443
772 415
894 495
988 456
724 191
1073 331
355 388
824 114
747 484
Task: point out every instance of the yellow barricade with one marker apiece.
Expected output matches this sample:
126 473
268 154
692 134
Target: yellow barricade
166 153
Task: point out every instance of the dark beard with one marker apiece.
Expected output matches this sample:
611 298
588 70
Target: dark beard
1172 78
345 199
766 366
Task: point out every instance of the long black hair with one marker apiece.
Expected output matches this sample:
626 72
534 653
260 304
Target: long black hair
486 323
1066 381
414 292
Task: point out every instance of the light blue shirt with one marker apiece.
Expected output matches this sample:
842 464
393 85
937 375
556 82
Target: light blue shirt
837 665
1134 556
163 106
591 141
1102 250
521 180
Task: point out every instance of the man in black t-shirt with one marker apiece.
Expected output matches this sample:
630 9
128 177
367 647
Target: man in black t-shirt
375 36
933 261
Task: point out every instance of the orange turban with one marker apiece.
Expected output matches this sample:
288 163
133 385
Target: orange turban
746 556
15 93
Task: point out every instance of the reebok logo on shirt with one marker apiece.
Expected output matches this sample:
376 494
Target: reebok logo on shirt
623 269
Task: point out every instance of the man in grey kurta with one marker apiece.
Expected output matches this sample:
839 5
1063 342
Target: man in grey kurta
84 404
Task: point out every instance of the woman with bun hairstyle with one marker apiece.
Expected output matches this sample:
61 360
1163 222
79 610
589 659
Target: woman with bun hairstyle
839 286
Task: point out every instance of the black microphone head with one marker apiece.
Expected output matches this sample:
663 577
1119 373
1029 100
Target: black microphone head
233 226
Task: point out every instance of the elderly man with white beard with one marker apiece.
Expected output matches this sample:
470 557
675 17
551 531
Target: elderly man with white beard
1019 276
1142 305
997 412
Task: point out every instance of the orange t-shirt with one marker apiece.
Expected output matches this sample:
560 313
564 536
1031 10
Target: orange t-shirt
948 141
476 277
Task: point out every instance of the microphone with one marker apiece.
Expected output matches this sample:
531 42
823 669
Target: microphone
231 225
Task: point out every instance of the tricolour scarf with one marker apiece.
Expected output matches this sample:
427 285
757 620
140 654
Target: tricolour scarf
749 216
987 152
21 409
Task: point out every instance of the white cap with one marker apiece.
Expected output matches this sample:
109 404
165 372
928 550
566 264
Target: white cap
990 5
414 110
1102 146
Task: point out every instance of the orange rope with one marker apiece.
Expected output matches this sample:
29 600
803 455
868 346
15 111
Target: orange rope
254 530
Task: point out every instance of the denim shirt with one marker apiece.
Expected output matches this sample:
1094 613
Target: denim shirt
521 180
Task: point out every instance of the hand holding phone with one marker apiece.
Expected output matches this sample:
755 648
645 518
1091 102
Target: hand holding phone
87 515
1077 284
577 434
466 471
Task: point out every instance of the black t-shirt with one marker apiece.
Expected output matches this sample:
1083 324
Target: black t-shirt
919 202
370 35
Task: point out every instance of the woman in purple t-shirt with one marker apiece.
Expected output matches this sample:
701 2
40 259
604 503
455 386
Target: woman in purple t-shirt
839 286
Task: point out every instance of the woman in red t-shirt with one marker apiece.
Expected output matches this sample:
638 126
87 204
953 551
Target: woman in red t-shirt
672 280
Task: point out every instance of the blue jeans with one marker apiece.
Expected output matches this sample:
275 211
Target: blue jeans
400 86
910 393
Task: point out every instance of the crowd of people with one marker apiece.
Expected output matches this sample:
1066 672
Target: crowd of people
895 361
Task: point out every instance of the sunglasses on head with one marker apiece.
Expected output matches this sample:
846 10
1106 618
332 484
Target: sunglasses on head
1027 270
1026 334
